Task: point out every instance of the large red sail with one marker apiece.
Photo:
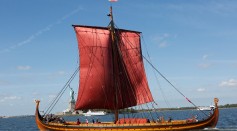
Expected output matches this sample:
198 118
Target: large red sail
109 81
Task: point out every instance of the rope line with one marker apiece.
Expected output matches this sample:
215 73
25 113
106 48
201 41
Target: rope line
171 84
55 101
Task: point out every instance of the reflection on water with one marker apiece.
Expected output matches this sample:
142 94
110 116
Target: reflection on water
227 119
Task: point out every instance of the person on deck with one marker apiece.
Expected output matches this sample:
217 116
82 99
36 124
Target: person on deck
93 121
148 121
158 120
170 119
87 121
78 122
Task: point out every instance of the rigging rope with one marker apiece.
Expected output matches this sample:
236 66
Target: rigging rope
162 92
171 83
55 101
134 70
168 81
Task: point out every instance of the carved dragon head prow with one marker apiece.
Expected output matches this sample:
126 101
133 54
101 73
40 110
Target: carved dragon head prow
216 100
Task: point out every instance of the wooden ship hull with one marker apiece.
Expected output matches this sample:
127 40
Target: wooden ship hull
210 122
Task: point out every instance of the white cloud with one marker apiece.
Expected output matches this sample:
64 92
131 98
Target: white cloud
204 65
229 83
24 67
163 44
204 57
57 74
3 83
234 64
162 39
201 89
61 72
40 32
7 98
52 96
35 93
4 75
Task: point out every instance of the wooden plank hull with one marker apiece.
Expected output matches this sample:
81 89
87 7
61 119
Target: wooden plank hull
170 126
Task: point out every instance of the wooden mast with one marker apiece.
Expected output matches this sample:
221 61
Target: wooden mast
114 41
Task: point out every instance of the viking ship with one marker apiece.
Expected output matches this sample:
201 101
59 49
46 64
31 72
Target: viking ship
112 77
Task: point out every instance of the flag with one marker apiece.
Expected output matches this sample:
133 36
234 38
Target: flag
113 0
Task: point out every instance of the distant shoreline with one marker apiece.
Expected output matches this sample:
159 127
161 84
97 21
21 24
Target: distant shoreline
227 106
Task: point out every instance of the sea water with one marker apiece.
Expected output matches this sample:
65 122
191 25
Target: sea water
227 120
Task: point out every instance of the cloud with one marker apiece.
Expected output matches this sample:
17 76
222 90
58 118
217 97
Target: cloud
162 39
27 40
35 93
61 72
204 65
24 67
234 64
57 74
163 44
3 82
204 57
46 74
52 96
40 32
205 62
201 89
229 83
223 8
7 98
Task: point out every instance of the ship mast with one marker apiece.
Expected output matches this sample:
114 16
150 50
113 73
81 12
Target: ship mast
114 42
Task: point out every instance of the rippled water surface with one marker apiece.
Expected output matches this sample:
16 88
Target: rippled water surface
227 120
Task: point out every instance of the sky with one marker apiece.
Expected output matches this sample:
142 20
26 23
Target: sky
192 43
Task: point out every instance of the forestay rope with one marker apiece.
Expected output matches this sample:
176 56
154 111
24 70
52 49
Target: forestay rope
172 84
55 101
